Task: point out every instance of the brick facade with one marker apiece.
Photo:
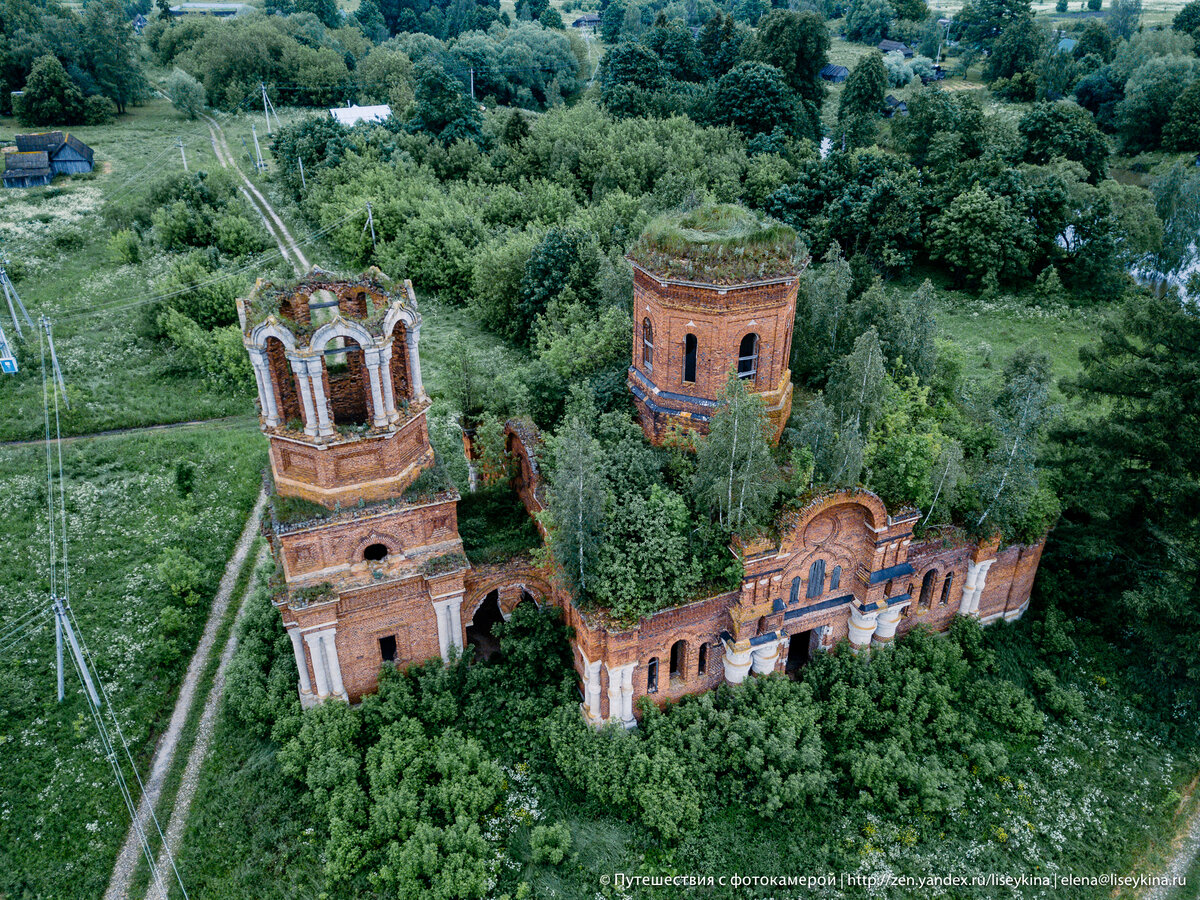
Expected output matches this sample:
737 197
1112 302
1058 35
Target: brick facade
379 576
674 321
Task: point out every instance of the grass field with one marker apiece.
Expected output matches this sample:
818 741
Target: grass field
61 816
60 263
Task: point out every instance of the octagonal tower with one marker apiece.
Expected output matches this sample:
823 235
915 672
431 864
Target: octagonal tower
339 386
714 291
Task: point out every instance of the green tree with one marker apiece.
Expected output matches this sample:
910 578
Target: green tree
1124 16
1007 482
755 99
796 43
644 562
186 93
1177 202
1150 95
821 332
720 44
736 476
1064 129
1017 51
981 22
868 21
1187 19
865 88
111 49
981 234
1131 475
564 264
1182 131
442 109
575 494
50 96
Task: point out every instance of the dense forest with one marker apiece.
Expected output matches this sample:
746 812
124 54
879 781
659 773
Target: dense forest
521 166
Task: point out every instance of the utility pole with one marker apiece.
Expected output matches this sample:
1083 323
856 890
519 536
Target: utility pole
11 296
371 225
268 107
58 650
258 163
184 155
472 82
303 183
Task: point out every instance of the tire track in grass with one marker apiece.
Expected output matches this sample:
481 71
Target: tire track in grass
164 754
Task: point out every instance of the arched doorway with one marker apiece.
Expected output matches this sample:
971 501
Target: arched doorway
479 632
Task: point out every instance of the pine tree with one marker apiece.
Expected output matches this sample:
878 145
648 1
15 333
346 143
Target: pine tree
735 472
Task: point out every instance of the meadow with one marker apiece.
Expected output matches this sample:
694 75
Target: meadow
151 521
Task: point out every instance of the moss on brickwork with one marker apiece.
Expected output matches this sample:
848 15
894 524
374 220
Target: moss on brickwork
721 243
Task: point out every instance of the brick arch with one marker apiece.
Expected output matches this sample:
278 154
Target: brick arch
792 525
375 537
848 544
263 332
340 327
510 582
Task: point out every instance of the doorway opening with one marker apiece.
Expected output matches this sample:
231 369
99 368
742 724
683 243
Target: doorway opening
479 632
387 648
799 652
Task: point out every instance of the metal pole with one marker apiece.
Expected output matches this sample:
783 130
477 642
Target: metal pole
303 183
83 667
58 646
266 112
259 164
184 155
472 83
371 222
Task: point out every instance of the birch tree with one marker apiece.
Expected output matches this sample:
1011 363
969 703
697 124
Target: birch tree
735 473
576 500
1008 478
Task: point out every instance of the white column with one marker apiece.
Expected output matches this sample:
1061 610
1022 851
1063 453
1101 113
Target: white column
300 370
379 415
331 660
737 664
316 371
765 656
317 656
591 689
385 372
888 621
266 388
862 627
614 693
627 695
449 622
412 338
301 661
973 588
823 632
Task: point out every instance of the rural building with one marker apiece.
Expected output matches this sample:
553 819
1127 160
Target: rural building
886 47
835 74
27 169
587 22
894 107
1066 45
372 567
352 115
68 155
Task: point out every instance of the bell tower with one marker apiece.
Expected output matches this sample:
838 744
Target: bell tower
368 549
714 291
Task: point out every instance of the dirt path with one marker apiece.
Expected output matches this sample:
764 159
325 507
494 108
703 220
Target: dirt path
1186 847
164 755
192 423
204 733
287 244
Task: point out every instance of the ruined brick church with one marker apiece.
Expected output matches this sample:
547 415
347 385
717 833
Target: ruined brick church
372 569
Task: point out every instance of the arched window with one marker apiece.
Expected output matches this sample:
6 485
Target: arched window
748 357
816 579
835 578
946 588
689 358
679 660
647 345
795 590
375 553
702 660
652 676
927 589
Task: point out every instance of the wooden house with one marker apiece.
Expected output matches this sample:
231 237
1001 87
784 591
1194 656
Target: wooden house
27 169
835 74
68 155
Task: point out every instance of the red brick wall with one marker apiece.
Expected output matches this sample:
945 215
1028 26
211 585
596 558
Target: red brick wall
719 317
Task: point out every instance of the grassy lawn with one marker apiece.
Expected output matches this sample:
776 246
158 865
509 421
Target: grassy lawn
61 815
58 245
